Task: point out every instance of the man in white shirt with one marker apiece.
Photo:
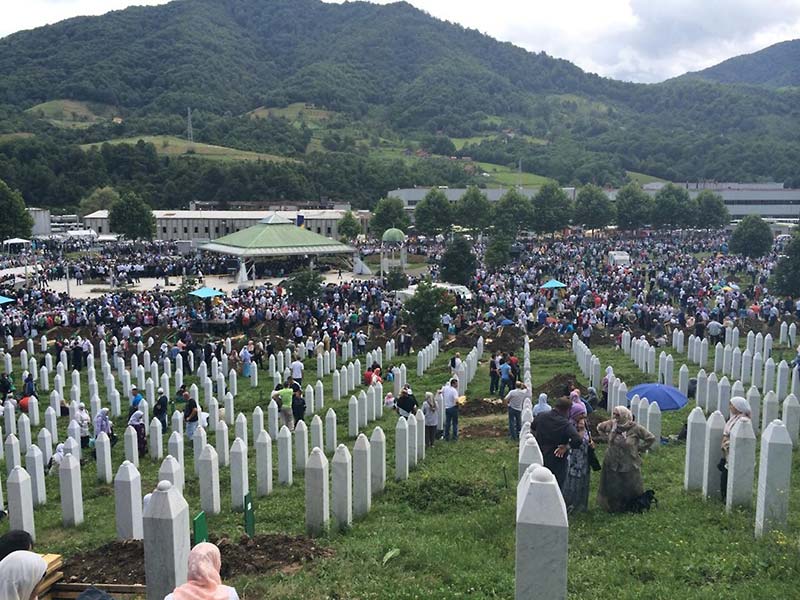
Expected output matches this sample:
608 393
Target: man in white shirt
516 399
450 401
297 370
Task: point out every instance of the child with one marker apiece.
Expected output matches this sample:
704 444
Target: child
576 488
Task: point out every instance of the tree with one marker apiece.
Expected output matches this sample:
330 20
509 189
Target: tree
15 221
426 307
100 199
498 252
711 211
752 237
673 208
512 213
787 273
396 280
132 217
552 209
433 214
634 207
593 208
474 211
304 286
458 262
388 213
349 226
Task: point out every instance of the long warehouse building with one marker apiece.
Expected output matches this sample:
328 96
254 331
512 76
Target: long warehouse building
205 225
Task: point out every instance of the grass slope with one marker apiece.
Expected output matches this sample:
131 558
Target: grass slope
642 178
453 521
500 175
169 145
73 113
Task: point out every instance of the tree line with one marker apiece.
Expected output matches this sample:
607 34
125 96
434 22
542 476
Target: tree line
551 210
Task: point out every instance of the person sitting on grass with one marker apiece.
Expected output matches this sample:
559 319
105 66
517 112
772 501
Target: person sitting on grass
203 581
406 403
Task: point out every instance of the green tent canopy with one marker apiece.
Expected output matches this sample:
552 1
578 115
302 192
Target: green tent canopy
276 236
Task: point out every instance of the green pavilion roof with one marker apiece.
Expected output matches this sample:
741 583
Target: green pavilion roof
275 236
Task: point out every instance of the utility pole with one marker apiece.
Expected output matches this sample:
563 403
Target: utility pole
189 132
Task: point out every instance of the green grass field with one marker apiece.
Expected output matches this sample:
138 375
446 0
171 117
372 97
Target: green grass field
169 145
73 114
452 523
505 176
12 137
642 178
298 111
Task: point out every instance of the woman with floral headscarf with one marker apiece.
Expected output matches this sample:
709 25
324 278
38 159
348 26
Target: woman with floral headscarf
203 581
739 409
621 477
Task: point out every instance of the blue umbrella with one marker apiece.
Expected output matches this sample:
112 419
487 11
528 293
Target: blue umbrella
666 396
505 322
553 284
206 292
6 300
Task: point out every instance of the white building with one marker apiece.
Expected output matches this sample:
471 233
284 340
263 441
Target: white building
413 196
768 200
204 225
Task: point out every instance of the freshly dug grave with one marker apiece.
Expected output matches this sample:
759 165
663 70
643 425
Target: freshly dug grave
560 385
479 407
546 338
262 554
483 430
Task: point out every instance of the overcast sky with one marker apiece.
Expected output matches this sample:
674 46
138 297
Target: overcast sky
636 40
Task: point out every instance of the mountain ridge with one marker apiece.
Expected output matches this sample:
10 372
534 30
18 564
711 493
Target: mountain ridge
388 71
777 65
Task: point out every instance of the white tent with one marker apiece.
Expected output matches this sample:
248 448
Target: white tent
16 242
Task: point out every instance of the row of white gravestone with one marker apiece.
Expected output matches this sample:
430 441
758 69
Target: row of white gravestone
703 454
426 356
355 478
712 395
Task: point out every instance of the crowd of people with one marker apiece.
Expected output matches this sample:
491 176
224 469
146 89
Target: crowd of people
671 280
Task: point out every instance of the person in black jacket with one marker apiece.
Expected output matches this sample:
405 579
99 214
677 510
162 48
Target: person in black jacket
555 435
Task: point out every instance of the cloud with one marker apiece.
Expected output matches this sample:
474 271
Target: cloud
636 40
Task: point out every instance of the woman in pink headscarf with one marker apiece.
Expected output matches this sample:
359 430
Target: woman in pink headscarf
203 579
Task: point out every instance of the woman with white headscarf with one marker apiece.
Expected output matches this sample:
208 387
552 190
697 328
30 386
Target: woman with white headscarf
203 581
20 573
541 406
739 408
55 460
137 422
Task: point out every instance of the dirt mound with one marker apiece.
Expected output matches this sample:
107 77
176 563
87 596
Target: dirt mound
547 338
259 555
595 418
560 385
505 339
480 407
483 430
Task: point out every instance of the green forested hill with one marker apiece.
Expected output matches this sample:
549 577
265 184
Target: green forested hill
394 78
775 66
